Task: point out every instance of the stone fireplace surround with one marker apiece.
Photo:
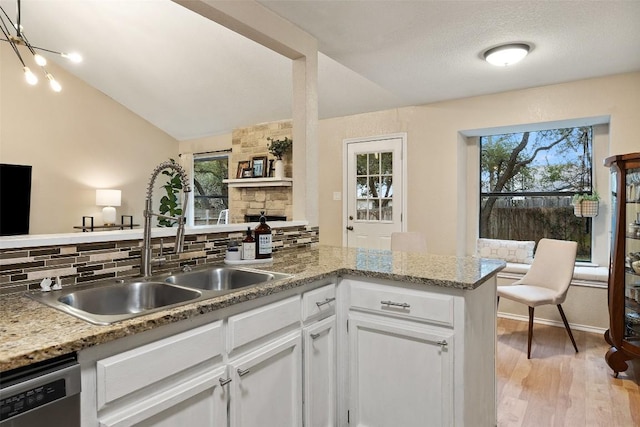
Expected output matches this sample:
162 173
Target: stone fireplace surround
248 143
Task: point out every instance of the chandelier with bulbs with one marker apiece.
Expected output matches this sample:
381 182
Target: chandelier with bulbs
15 36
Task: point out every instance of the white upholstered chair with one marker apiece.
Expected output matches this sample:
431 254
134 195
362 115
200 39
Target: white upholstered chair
546 282
409 241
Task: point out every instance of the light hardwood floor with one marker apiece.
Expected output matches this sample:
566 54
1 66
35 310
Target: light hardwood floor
559 387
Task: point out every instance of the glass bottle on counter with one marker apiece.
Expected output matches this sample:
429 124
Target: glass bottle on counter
263 238
249 246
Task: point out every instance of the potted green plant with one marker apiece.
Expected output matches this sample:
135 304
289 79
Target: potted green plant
278 147
586 205
169 202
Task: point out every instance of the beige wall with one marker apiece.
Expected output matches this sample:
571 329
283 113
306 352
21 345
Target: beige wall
77 140
441 188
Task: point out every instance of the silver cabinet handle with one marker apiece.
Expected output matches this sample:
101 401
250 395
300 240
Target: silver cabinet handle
243 373
395 304
326 301
224 382
314 336
443 344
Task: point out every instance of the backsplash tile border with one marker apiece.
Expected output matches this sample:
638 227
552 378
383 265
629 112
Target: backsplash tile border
22 269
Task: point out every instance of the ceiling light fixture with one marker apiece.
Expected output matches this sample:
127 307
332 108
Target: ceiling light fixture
20 39
506 54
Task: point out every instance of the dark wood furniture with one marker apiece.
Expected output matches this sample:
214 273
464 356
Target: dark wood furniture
90 227
624 281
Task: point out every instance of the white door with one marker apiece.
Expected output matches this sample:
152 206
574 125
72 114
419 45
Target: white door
320 373
267 385
400 373
374 193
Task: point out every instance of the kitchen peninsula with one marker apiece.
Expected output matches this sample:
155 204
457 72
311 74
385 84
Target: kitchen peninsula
373 308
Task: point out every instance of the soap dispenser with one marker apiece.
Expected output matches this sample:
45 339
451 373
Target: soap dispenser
263 238
249 246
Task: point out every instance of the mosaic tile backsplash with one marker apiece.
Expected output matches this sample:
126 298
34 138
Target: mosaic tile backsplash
23 269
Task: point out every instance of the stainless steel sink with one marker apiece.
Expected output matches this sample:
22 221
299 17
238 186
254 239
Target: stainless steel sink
132 297
104 305
223 279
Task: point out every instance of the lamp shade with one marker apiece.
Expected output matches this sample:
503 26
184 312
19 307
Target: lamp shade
108 197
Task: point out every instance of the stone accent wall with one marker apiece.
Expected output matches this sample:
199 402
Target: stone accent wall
250 142
23 269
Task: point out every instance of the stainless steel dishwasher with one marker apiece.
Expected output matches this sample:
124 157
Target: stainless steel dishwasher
42 394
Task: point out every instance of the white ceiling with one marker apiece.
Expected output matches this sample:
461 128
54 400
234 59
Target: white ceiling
191 77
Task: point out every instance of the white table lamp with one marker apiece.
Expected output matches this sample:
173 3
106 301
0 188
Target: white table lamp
108 199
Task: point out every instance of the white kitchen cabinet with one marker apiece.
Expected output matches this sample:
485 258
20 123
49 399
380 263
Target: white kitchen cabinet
364 352
266 386
320 374
200 401
415 355
401 373
173 381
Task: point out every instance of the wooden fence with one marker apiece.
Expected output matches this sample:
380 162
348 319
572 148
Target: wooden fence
517 223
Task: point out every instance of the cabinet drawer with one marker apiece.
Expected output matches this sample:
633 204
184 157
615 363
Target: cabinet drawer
319 302
406 303
262 321
135 369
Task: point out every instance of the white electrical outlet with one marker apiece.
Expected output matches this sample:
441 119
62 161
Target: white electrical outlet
337 195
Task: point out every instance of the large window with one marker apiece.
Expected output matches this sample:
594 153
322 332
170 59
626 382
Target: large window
211 195
527 182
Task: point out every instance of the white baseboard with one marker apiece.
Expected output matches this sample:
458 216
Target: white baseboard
574 326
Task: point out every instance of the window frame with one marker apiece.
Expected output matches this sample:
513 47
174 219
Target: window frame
201 157
589 221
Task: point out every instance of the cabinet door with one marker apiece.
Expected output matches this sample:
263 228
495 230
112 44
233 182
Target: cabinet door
200 401
320 373
267 385
401 373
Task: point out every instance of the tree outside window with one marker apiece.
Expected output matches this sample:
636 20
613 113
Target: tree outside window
527 182
374 186
211 195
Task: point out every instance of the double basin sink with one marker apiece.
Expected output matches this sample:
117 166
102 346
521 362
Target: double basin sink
109 303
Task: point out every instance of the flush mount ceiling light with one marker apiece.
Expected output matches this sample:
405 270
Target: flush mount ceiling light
14 35
506 54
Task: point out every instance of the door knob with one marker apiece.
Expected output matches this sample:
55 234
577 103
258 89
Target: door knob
350 228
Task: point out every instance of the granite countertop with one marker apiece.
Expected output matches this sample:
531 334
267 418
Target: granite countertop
31 331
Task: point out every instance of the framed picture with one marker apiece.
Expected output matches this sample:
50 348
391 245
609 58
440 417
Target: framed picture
241 167
259 165
247 173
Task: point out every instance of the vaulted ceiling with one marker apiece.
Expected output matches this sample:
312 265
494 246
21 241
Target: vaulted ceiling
192 77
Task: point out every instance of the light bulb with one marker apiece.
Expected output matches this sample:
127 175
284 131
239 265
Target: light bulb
54 83
31 78
73 57
40 60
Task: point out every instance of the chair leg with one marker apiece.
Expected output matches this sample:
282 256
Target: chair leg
566 325
530 332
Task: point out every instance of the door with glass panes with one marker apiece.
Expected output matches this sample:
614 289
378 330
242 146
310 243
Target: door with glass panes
374 192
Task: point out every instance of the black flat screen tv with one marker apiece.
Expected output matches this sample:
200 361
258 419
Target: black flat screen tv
15 199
